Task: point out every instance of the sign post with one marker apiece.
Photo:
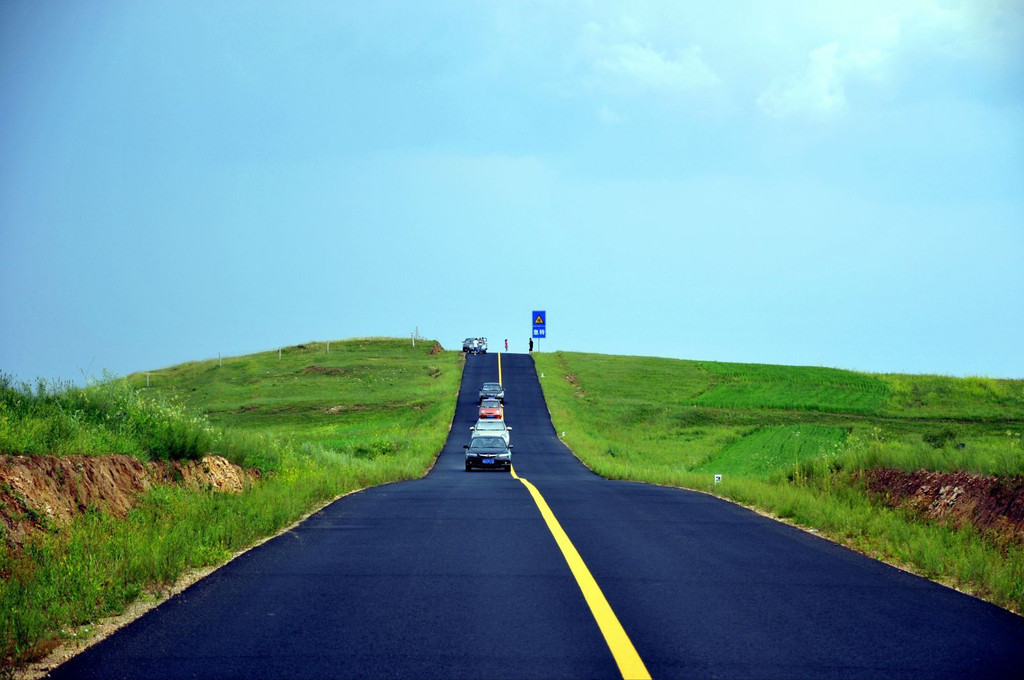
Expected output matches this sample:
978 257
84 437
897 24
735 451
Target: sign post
540 325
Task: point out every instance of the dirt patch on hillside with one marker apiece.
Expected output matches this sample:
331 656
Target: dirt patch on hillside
992 504
574 380
40 492
325 370
346 408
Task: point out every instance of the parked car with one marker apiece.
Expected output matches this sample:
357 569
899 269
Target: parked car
491 408
490 428
492 390
475 345
488 452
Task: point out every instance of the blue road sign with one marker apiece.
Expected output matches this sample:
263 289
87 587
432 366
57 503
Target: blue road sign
540 324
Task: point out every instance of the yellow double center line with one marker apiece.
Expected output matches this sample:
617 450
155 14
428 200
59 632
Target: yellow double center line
630 664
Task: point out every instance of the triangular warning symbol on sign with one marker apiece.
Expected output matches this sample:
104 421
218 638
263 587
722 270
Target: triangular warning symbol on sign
540 320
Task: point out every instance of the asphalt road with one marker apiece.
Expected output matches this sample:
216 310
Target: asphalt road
457 575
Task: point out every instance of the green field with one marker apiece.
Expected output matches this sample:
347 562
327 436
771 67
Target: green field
674 415
793 441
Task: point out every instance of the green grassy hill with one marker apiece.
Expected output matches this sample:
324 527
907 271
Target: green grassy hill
800 442
364 397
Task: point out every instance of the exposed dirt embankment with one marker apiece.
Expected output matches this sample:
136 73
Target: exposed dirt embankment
41 491
993 504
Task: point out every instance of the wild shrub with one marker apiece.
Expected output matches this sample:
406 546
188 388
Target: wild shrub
939 438
106 417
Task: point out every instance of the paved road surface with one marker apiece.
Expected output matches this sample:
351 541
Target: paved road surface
458 576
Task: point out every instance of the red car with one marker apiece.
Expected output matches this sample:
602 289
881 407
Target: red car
491 408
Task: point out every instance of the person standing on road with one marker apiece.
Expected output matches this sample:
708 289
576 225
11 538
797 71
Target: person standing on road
531 345
506 344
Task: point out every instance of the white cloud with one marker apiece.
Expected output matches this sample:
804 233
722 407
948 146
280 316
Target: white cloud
819 91
880 43
629 65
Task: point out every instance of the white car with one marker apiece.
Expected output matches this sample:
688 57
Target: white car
488 427
474 345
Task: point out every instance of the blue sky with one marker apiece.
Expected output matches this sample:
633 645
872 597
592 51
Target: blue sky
837 184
